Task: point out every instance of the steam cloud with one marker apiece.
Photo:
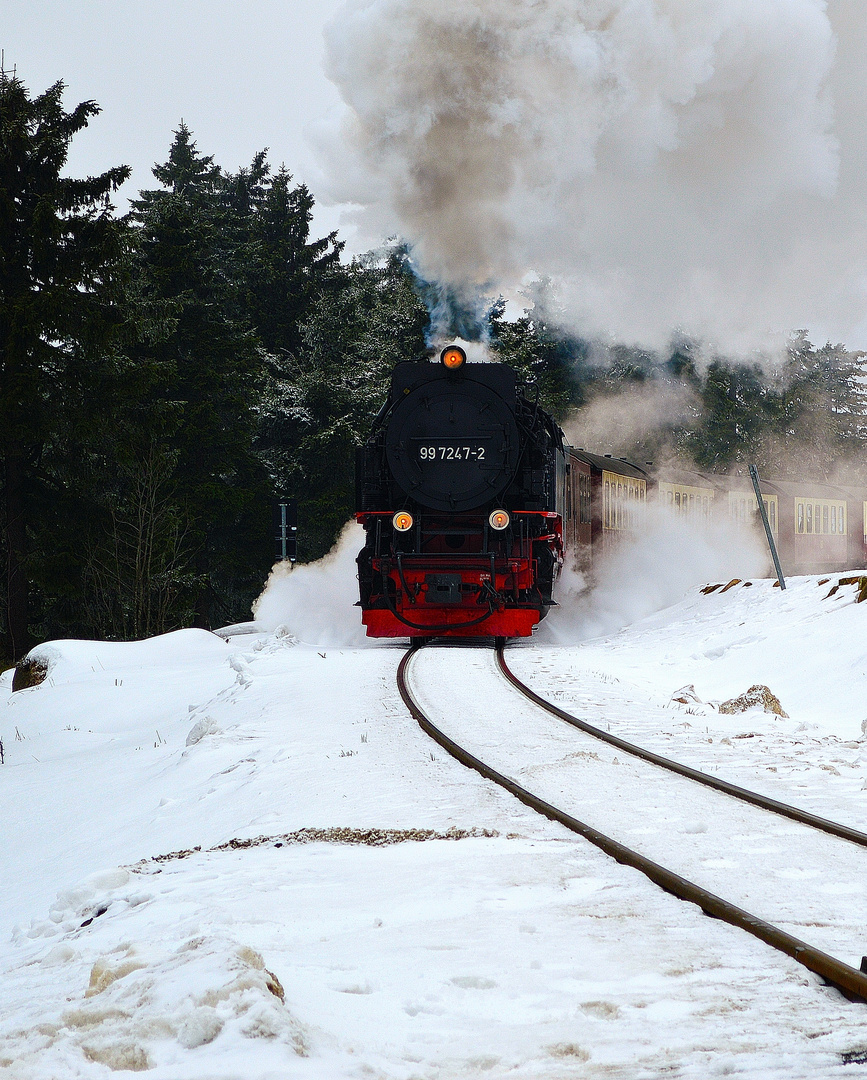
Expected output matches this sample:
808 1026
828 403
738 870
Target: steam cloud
647 572
671 166
651 570
315 601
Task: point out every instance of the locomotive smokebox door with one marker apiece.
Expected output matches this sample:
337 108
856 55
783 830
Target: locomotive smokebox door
443 588
452 444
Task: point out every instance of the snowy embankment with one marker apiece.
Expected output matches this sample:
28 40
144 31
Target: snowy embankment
445 931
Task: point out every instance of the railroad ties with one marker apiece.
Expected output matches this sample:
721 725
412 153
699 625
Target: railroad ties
848 980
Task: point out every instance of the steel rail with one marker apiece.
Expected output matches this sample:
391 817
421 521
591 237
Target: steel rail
803 817
851 982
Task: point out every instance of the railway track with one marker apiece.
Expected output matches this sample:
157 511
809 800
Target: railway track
846 978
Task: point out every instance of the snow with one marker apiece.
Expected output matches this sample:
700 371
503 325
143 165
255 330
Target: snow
388 913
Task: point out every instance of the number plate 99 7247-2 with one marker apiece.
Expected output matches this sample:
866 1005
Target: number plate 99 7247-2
445 450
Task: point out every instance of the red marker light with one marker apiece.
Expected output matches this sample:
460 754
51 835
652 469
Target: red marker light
402 521
499 520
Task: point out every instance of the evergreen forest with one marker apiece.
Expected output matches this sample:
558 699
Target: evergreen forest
168 372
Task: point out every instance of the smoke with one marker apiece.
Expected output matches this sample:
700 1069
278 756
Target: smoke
636 416
671 166
314 602
651 570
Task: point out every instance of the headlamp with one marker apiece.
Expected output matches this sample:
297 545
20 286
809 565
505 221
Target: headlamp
453 357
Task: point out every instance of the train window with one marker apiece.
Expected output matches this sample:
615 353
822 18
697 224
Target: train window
809 517
677 499
800 517
584 498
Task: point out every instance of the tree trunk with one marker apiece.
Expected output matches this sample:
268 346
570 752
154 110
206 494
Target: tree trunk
202 615
18 639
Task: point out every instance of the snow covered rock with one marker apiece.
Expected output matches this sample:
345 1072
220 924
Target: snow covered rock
750 699
686 695
34 668
206 726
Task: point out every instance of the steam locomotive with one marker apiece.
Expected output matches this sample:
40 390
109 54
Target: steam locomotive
460 490
471 500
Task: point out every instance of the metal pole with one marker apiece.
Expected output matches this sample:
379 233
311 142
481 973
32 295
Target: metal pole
754 476
283 528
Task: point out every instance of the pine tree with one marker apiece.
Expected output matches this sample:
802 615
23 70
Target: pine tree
61 260
319 405
550 360
192 256
288 270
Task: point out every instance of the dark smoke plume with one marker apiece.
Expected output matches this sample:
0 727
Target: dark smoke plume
672 166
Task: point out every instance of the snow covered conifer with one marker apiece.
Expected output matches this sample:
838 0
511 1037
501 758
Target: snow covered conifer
61 254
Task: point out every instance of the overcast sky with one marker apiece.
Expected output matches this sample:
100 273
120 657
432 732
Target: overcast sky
243 76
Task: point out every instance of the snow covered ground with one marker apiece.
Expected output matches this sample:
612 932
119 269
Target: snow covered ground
386 913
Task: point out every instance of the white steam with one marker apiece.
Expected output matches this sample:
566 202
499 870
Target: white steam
314 601
671 165
652 570
634 415
648 572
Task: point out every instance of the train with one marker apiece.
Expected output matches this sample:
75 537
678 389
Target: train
471 502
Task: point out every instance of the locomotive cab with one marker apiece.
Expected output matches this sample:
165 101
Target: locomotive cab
457 490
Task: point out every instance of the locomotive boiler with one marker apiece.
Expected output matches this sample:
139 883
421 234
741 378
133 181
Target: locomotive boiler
460 490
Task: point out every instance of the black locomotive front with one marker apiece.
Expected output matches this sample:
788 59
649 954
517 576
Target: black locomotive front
457 490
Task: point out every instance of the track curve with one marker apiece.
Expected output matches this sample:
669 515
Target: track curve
849 980
774 806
